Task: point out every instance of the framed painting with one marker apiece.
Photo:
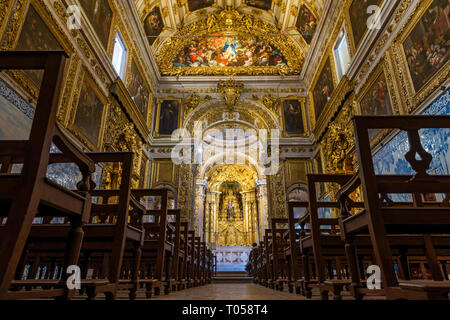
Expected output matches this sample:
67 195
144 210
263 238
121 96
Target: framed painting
427 45
35 35
306 23
153 25
323 88
138 90
168 116
260 4
100 15
229 51
199 4
376 100
89 114
294 117
359 15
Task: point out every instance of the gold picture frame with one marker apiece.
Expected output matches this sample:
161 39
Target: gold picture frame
382 69
412 98
159 102
302 102
311 103
146 117
20 77
218 23
108 47
87 80
348 23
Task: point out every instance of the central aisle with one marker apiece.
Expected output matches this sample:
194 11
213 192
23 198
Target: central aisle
235 291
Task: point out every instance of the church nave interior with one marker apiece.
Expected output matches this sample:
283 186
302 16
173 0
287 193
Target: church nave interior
224 150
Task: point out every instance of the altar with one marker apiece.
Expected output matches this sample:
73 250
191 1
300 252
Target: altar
232 258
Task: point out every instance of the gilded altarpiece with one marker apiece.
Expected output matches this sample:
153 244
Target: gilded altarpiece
277 195
121 135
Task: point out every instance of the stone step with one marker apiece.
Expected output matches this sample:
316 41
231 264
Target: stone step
232 274
232 280
232 277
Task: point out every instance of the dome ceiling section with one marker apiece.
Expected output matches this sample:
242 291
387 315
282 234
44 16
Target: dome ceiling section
245 176
215 113
229 43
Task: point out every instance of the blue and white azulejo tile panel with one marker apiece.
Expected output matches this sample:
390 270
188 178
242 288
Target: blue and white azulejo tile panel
390 159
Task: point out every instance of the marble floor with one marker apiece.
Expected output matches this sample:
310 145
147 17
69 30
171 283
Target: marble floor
232 291
239 291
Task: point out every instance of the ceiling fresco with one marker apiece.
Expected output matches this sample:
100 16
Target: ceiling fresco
229 43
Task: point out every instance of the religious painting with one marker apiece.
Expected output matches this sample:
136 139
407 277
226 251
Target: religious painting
153 25
377 102
16 115
293 117
89 113
360 14
199 4
260 4
35 35
100 15
168 117
323 89
306 23
138 89
427 46
229 51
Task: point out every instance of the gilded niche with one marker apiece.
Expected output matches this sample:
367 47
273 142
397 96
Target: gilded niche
229 43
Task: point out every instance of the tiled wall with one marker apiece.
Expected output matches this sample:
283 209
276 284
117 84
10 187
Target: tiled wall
390 159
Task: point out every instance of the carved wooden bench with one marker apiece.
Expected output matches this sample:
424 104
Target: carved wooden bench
383 217
25 195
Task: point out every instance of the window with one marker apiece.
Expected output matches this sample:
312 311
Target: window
341 54
119 56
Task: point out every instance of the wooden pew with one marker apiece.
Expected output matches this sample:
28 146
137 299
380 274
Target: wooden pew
113 232
203 263
24 195
262 268
320 239
173 238
197 261
280 265
253 257
292 250
181 256
383 217
155 271
211 259
268 281
190 260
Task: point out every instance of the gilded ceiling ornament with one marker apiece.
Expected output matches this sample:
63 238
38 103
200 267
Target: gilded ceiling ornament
176 58
230 91
192 102
270 102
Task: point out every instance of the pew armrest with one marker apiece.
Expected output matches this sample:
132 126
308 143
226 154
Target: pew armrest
349 187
